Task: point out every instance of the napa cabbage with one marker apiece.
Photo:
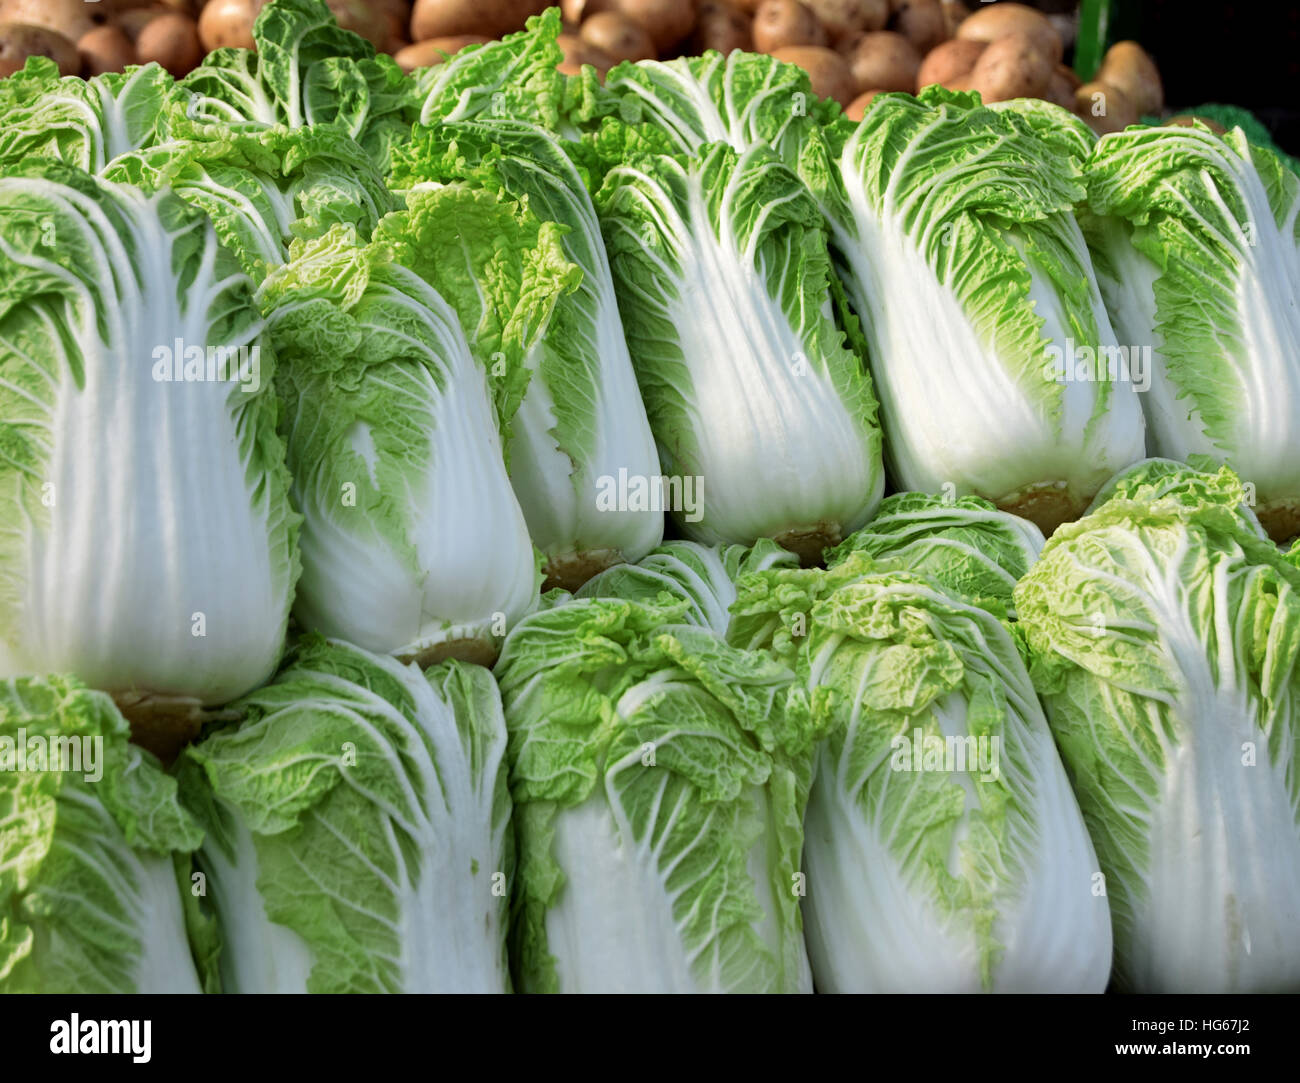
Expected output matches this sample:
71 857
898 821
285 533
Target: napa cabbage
89 827
357 824
581 427
147 542
1164 633
659 779
1196 240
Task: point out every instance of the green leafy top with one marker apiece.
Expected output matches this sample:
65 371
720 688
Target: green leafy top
965 543
740 99
985 196
305 70
84 122
514 78
263 189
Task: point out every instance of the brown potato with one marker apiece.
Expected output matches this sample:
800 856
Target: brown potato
74 19
954 14
578 52
173 41
1060 88
780 23
370 20
424 54
106 48
922 23
618 36
1104 108
228 24
1011 67
1001 20
1186 120
133 21
946 62
451 18
1128 67
858 105
884 61
18 41
829 72
845 18
572 11
667 22
723 27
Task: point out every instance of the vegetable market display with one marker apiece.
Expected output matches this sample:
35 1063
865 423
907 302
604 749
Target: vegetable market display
498 527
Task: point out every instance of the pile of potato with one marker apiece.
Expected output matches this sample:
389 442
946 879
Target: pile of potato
851 49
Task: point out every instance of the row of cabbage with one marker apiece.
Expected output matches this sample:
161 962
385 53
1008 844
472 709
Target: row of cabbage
444 339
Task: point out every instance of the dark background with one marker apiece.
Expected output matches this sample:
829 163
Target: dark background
1235 53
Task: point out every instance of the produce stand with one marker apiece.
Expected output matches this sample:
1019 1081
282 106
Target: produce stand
647 496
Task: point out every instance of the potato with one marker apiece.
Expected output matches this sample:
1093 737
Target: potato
18 41
722 27
1011 67
954 14
1060 88
451 18
424 54
858 105
133 21
1186 120
922 23
884 61
947 61
845 18
173 41
829 72
1001 20
572 11
666 21
781 23
370 20
578 52
1128 67
618 36
106 48
228 24
74 19
1104 108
